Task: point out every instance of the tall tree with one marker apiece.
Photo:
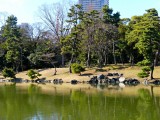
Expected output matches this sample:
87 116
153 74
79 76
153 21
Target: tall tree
145 35
54 16
11 32
88 24
75 15
122 43
111 18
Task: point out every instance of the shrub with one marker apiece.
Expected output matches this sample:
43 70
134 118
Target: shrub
146 69
8 72
143 74
33 74
144 63
77 68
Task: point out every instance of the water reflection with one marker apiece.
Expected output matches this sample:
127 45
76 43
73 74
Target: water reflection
34 104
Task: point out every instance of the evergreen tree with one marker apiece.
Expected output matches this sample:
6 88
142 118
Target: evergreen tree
11 33
145 35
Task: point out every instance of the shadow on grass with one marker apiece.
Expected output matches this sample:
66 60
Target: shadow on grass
86 74
101 70
118 67
156 79
40 70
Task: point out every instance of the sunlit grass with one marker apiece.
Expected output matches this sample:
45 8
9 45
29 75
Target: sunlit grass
63 73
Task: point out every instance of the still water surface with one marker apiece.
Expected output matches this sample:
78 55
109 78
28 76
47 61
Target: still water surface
32 102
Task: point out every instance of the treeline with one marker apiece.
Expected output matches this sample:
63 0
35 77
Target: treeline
91 39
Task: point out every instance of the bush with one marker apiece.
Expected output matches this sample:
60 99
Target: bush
77 68
33 74
146 69
144 63
8 72
143 74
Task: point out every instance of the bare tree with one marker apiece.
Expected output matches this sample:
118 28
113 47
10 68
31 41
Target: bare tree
54 17
3 18
37 30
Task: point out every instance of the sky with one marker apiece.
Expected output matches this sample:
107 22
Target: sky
26 10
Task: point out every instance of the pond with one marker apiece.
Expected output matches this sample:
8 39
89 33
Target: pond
78 102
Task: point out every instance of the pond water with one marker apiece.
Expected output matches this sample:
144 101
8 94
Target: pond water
60 102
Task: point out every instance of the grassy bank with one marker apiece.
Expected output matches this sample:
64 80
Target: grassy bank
63 73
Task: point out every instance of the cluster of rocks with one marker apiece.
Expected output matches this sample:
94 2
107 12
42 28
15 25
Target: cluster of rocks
154 82
113 78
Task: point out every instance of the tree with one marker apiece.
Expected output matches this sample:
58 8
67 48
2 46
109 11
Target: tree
88 24
145 35
48 57
8 72
33 74
122 43
43 46
71 41
54 16
11 32
111 18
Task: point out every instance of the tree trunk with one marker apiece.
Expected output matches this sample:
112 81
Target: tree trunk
55 70
131 60
105 59
62 60
21 60
105 56
152 69
114 56
88 58
17 67
71 61
100 61
121 59
151 59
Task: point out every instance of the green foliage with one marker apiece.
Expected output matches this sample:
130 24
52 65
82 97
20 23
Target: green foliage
109 16
12 44
8 72
144 32
88 39
33 74
35 57
143 74
144 63
77 68
146 69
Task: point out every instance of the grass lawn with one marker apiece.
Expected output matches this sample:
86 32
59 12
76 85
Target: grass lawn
63 73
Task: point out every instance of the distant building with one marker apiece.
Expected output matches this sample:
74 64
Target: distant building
88 5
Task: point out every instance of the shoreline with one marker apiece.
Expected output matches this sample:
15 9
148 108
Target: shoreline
63 73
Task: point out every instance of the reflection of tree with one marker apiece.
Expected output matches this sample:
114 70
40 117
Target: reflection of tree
33 91
146 105
79 105
15 106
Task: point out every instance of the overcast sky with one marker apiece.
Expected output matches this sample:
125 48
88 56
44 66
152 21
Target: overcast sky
26 10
